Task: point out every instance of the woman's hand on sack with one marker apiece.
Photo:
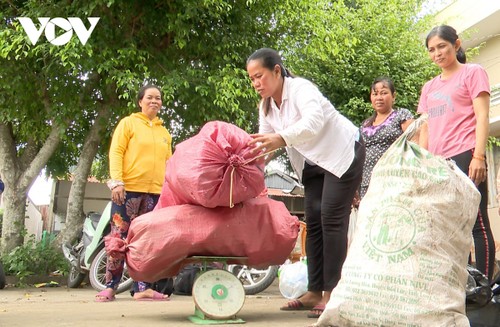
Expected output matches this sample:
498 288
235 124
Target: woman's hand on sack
118 195
266 142
477 171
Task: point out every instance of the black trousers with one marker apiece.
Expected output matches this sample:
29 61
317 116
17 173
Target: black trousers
328 200
484 244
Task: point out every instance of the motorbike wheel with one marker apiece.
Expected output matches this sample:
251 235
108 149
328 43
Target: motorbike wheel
75 277
2 277
97 274
254 280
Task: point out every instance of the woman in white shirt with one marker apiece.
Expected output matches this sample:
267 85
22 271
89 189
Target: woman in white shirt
327 155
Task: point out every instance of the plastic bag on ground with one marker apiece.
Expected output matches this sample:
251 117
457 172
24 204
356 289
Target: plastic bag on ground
293 279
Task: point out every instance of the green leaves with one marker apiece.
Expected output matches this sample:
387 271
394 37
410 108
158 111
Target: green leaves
196 52
343 46
34 257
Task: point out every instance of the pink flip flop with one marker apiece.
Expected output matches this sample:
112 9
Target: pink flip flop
157 296
295 305
316 311
106 295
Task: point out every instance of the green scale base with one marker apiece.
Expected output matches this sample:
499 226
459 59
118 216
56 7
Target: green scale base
218 294
200 319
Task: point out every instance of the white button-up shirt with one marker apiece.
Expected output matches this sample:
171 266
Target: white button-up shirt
311 127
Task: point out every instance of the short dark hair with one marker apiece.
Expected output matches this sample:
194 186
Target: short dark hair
387 81
143 89
449 34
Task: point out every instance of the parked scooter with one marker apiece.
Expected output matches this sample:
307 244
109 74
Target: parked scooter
88 257
257 280
254 280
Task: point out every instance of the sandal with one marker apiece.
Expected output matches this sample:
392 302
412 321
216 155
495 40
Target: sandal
295 305
316 311
106 295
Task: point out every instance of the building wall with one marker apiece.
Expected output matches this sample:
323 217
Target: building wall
97 196
489 58
33 221
477 17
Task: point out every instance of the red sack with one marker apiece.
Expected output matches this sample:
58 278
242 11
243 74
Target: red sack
158 242
213 168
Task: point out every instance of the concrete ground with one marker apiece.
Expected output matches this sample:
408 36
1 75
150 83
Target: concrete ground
61 306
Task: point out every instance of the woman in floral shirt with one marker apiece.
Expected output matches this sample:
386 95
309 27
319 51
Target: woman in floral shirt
383 127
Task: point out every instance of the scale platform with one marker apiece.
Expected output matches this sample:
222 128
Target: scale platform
218 294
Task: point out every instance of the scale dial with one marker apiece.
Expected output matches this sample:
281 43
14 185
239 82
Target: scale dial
218 294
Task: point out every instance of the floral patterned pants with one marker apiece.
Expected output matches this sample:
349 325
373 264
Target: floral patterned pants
135 205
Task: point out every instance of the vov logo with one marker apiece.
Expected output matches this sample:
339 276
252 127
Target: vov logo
49 26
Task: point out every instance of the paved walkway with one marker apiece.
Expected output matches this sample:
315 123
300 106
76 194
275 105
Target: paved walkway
61 306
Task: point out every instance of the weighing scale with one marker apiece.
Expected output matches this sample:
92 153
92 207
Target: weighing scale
218 294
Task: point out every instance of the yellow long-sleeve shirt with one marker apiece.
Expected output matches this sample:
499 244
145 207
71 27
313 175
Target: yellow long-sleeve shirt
139 150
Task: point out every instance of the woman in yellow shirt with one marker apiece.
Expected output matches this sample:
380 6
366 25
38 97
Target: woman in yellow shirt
139 150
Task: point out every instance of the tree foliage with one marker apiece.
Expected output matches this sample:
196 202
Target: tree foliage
354 42
59 104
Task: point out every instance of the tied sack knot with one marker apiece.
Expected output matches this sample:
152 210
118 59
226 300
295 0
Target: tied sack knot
235 160
115 246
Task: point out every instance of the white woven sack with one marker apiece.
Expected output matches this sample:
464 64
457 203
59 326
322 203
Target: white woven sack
406 265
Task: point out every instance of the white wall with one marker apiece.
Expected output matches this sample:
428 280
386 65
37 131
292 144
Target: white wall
97 196
33 221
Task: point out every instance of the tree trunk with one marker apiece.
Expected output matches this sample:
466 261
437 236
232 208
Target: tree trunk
13 219
74 212
18 173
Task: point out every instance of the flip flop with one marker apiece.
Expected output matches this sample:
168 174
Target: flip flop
316 311
106 295
295 305
157 296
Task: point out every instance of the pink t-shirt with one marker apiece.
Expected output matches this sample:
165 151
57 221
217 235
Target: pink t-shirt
452 123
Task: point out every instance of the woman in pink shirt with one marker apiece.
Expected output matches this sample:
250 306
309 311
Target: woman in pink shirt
457 103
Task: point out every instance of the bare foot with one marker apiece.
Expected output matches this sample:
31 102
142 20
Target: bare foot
326 297
150 294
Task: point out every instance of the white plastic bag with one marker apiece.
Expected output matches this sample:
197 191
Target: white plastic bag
293 279
352 226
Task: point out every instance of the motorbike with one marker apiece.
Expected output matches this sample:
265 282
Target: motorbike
254 280
257 280
88 256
